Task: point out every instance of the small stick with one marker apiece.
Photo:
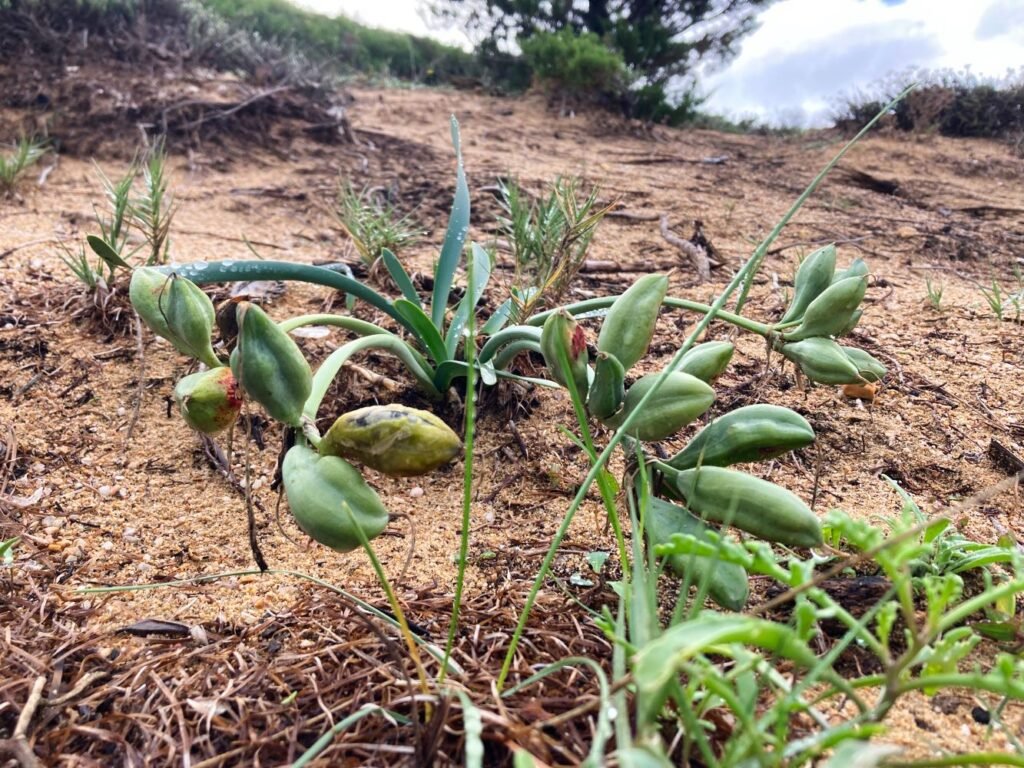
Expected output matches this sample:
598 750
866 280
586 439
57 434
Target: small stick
697 255
140 391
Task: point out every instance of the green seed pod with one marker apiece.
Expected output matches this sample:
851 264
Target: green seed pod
270 366
854 319
146 287
629 326
209 401
746 502
752 433
707 361
832 311
727 582
680 400
823 361
609 388
175 309
562 332
190 319
813 277
869 368
319 488
857 268
393 439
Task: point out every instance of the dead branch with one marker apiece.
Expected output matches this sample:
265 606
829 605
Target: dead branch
697 255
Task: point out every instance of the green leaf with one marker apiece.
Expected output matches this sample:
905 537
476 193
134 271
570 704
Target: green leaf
497 321
107 253
400 276
474 728
481 274
656 666
596 560
7 550
425 330
455 237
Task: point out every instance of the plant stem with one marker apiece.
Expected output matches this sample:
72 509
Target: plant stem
360 327
467 480
203 273
332 364
508 336
604 302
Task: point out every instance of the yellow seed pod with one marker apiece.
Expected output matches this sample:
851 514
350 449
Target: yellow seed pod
393 439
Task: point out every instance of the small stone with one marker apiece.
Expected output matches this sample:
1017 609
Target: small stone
106 546
105 491
144 567
416 492
981 715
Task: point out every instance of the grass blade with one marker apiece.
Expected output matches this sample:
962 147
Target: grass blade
454 239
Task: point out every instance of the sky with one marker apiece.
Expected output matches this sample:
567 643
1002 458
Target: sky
807 54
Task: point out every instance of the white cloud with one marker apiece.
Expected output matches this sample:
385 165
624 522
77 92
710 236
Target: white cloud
807 52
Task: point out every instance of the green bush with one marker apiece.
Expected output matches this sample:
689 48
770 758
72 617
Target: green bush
575 65
950 103
350 46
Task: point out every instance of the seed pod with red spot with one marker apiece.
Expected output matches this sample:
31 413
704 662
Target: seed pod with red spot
209 401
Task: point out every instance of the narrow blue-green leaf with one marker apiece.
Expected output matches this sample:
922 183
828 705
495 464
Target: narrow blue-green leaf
450 370
481 275
474 728
488 375
400 276
423 328
105 252
454 239
497 321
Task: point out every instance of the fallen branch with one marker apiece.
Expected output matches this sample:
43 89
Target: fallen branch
697 255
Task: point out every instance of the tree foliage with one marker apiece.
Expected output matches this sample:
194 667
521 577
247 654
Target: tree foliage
657 39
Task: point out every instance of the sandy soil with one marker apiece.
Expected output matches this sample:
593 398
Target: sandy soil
95 507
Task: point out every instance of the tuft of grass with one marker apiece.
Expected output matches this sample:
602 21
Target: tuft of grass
25 154
934 292
549 239
372 224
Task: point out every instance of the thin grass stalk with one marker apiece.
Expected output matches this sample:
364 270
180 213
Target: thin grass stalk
467 477
607 494
752 263
325 740
432 650
396 607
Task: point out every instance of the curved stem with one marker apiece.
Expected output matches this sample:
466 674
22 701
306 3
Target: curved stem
329 367
360 327
508 354
508 336
591 305
205 272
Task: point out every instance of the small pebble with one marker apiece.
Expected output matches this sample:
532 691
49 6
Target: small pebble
105 491
106 546
981 715
416 492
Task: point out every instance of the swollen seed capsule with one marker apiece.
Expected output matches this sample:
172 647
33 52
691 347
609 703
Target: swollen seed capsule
209 401
270 366
329 497
562 334
175 309
393 439
680 400
823 361
629 326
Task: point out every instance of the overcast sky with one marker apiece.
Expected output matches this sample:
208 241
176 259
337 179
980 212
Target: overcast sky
807 53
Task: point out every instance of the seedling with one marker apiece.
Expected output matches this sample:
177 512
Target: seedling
934 292
372 224
13 165
549 239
